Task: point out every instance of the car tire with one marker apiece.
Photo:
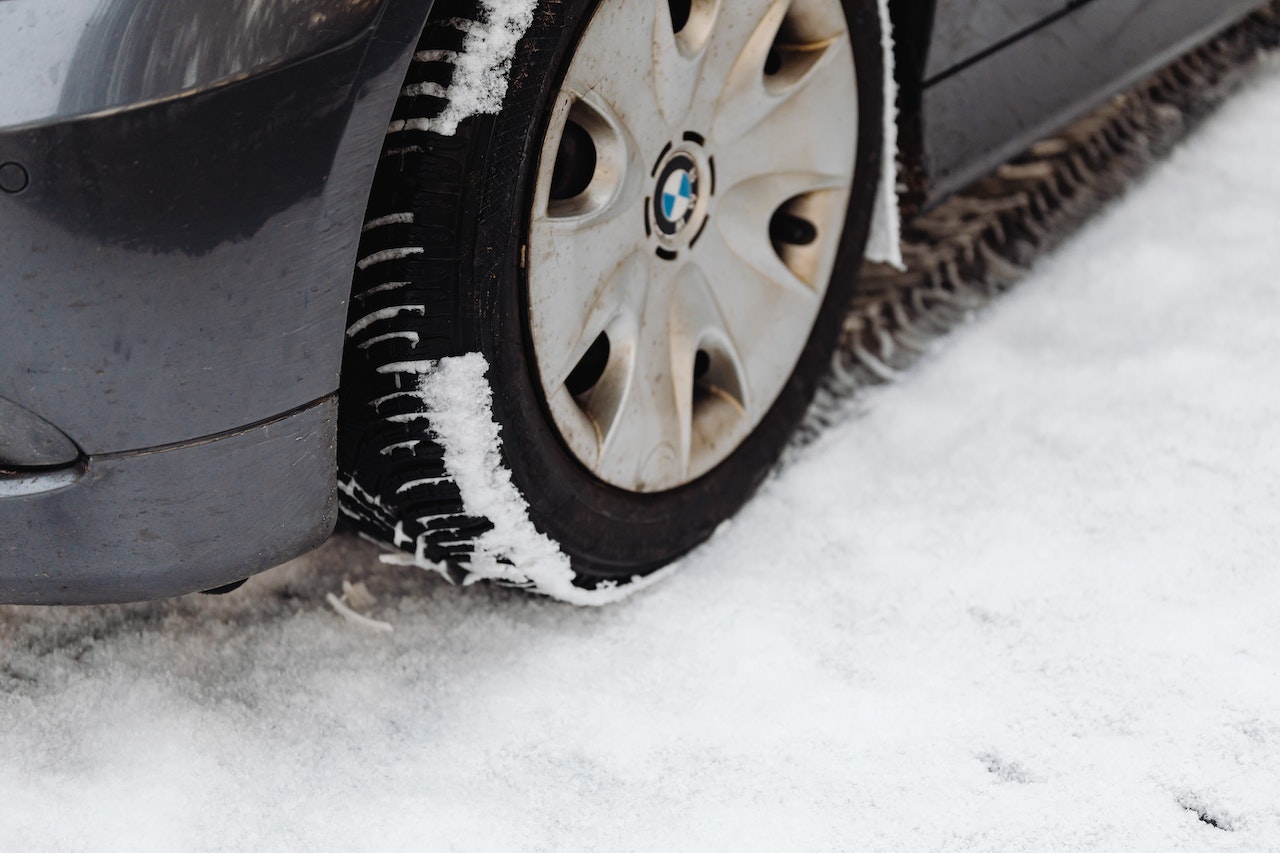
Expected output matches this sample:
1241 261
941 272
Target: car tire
462 279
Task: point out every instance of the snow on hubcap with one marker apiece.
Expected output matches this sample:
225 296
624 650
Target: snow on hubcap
688 206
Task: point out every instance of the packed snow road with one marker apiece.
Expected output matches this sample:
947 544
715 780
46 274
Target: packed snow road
1023 600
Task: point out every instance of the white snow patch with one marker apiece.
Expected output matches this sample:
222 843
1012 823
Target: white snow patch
388 255
417 366
425 481
400 445
459 403
435 55
389 219
437 90
480 71
356 597
412 337
383 314
381 288
884 244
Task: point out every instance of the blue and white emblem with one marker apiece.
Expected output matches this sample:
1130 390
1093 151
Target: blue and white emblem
677 194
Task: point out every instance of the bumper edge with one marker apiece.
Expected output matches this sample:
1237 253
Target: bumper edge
177 519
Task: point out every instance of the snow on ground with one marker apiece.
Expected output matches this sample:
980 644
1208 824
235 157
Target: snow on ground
1025 600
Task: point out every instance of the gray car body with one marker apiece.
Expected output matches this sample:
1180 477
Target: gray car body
182 184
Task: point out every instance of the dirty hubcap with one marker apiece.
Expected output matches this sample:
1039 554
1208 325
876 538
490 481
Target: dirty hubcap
688 206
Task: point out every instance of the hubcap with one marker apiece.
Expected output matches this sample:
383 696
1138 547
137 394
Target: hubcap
689 203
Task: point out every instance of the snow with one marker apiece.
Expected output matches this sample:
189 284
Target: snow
457 399
480 71
1023 600
884 242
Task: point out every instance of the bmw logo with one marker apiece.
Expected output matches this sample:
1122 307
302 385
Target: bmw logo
677 195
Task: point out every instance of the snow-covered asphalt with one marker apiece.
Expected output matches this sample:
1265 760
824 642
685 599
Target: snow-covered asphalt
1026 599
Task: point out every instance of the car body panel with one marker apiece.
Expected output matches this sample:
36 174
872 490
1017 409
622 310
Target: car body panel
965 28
174 286
78 57
977 118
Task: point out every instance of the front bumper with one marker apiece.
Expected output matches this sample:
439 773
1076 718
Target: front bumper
174 271
168 521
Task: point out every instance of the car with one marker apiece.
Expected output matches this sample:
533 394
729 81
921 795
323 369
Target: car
532 291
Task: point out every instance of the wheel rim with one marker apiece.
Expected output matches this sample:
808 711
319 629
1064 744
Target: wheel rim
688 206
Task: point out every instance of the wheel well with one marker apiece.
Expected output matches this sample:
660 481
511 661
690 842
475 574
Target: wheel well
912 28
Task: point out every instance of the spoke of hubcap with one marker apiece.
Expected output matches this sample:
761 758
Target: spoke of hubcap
732 34
617 179
768 320
749 97
617 65
758 132
748 207
586 419
646 447
582 251
677 58
579 285
698 325
712 383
